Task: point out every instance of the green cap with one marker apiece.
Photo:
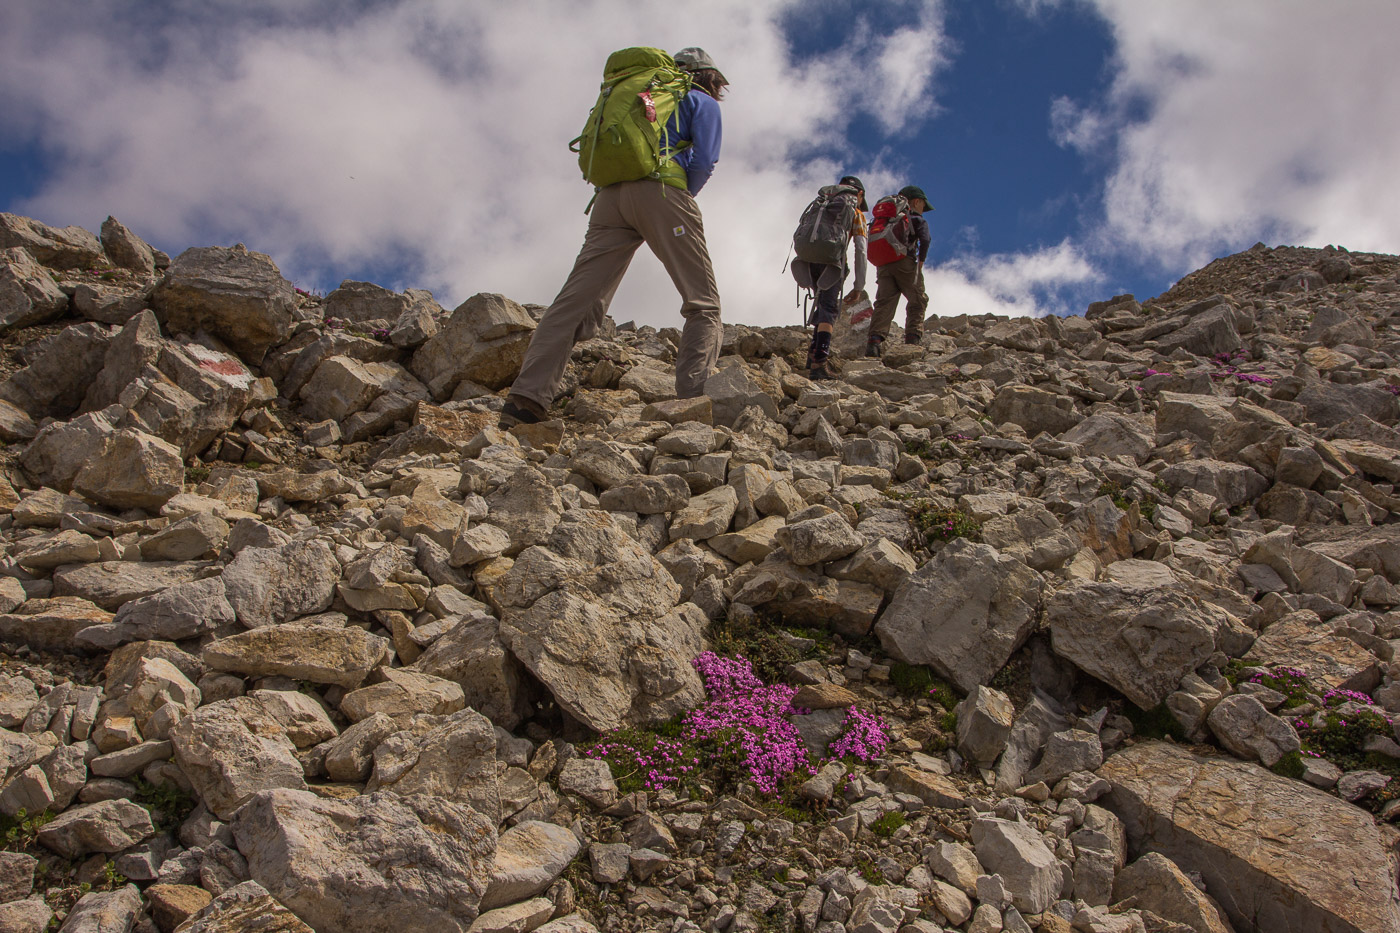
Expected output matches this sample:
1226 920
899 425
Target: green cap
914 191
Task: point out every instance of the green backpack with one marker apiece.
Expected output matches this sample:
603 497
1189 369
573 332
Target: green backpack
622 140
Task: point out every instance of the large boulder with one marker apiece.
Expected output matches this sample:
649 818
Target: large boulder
594 617
1139 639
483 341
1277 854
232 749
28 295
266 586
456 760
964 613
238 296
371 863
125 249
133 471
59 376
56 247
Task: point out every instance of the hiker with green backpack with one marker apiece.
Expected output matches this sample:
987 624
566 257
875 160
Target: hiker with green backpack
650 144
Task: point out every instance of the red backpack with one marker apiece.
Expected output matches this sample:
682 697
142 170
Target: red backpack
891 232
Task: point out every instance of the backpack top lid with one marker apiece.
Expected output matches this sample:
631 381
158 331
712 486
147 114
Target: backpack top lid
891 205
633 59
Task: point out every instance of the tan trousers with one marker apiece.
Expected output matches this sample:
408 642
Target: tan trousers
903 277
625 216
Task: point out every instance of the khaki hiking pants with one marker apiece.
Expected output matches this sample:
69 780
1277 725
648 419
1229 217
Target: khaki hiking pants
625 216
902 277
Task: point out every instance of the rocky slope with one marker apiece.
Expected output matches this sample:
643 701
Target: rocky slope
1065 624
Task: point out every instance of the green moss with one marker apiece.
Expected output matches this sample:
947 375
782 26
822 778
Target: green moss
1289 766
945 524
869 871
886 825
910 680
169 804
21 831
1156 723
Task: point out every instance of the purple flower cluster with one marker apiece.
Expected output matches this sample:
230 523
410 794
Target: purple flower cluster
864 736
726 676
756 717
1152 372
1391 388
958 437
666 762
1342 696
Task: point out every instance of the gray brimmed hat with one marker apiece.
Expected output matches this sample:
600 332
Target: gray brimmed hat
697 59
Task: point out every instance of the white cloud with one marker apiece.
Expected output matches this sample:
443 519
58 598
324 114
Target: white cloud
1017 285
428 136
1251 119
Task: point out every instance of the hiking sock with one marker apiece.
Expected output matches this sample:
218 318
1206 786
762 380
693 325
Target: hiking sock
821 348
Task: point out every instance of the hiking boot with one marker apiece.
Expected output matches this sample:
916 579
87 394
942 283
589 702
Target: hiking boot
519 412
875 347
913 338
820 373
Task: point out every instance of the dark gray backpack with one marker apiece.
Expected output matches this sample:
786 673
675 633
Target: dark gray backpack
825 227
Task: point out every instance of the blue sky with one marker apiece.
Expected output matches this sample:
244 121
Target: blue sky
1073 149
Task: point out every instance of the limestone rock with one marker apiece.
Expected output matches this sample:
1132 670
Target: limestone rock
1141 641
370 863
590 613
1275 853
483 342
963 613
325 654
267 586
237 295
231 749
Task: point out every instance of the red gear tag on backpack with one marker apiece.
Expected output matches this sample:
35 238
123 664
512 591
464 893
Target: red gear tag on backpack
649 104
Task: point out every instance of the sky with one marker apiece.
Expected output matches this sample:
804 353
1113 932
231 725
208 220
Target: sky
1072 149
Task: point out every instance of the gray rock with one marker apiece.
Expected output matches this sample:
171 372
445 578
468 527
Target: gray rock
984 717
369 863
1019 854
1160 886
58 247
232 749
529 858
591 615
28 296
483 342
456 761
105 911
1141 641
827 537
132 471
963 613
107 826
1247 728
1276 853
266 586
126 249
237 295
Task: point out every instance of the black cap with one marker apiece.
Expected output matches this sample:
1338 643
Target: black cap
855 183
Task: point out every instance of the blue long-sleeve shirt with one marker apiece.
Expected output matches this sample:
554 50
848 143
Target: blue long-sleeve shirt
696 121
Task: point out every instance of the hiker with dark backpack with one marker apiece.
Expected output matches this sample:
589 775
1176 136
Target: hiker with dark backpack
834 219
650 144
899 243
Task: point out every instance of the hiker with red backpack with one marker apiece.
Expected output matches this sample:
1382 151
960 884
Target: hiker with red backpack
835 218
898 247
650 144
